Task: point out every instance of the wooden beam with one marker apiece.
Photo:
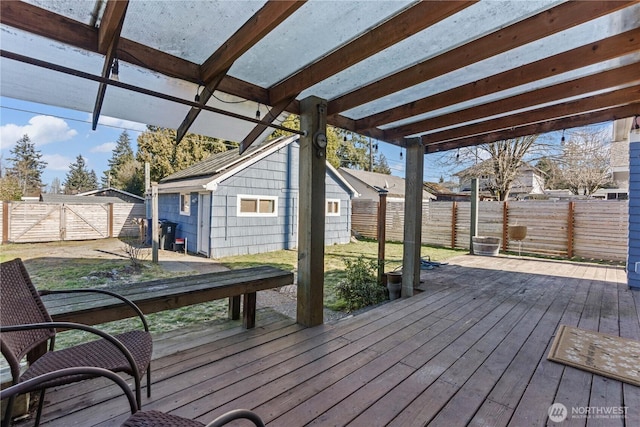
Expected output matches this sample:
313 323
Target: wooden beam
599 116
312 207
583 56
272 14
407 23
47 24
577 87
214 69
544 24
111 24
108 37
266 122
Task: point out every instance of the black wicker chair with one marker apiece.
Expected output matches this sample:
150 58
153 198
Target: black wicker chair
137 418
25 325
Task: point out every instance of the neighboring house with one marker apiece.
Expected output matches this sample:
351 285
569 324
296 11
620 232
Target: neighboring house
114 192
369 184
443 192
232 204
529 181
619 162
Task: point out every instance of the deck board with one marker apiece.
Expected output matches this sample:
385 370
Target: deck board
469 350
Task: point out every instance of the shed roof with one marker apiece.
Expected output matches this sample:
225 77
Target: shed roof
454 73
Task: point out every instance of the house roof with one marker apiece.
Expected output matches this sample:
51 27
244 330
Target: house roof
453 73
77 199
486 163
208 173
111 190
378 181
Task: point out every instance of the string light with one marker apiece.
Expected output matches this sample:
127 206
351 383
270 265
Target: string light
258 112
115 69
197 97
562 139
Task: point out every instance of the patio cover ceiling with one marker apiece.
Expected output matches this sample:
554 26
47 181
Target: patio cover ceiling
455 73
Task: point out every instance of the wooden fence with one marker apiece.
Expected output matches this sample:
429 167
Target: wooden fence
24 222
593 229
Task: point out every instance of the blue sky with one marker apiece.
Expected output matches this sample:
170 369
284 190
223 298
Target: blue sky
61 135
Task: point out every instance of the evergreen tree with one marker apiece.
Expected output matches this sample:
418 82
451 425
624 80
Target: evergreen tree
27 167
122 154
79 179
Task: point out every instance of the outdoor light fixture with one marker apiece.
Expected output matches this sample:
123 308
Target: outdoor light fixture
115 69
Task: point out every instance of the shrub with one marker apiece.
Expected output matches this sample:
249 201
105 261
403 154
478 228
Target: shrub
360 288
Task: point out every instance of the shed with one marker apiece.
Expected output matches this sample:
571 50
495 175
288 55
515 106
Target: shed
233 204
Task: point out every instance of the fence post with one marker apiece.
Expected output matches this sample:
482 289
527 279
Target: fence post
473 228
5 222
110 220
454 222
570 219
505 225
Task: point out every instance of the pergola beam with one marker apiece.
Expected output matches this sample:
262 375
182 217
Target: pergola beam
583 56
577 87
502 126
584 119
108 37
214 69
543 24
407 23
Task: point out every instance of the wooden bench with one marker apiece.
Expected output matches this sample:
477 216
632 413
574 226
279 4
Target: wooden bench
171 293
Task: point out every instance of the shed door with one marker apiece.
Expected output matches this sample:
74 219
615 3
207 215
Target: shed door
204 223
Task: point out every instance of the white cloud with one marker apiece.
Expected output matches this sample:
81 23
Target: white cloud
57 162
107 147
41 130
119 123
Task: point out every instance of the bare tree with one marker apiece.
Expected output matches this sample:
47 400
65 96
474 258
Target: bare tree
500 163
585 161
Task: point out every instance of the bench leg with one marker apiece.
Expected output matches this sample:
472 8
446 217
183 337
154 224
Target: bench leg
249 311
234 307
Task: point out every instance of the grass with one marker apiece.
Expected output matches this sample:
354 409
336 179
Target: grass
49 272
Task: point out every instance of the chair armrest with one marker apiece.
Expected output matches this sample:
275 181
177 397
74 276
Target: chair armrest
33 383
234 415
69 325
105 292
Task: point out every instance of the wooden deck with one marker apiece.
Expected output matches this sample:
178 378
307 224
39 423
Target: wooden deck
469 350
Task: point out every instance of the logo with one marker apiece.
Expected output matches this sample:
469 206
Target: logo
557 412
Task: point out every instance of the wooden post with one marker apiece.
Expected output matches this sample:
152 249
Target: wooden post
454 221
412 216
473 229
313 120
570 219
505 225
382 232
110 221
5 221
154 222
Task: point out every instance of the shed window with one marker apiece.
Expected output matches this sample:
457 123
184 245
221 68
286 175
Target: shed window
185 207
333 207
257 205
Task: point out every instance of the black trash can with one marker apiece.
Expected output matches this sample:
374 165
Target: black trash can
167 234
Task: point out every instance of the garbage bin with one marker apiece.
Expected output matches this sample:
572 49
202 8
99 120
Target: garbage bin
167 234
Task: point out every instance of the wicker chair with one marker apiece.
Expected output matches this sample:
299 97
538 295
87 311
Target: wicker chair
137 418
26 325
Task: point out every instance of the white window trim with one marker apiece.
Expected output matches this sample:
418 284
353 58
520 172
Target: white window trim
182 211
257 214
326 207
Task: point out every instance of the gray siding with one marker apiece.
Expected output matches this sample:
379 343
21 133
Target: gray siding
337 228
633 277
169 209
272 176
